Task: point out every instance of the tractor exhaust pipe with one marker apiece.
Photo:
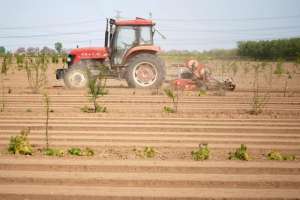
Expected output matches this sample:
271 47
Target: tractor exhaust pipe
106 34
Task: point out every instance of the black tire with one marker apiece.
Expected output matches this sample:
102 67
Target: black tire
154 67
76 77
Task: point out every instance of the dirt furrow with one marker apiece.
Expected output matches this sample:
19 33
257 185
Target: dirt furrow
163 122
190 167
15 191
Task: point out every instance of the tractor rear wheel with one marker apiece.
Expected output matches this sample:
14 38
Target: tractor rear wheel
145 71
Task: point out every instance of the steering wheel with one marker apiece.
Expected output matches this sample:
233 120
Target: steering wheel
126 45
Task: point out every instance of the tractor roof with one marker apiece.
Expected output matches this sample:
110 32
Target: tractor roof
135 22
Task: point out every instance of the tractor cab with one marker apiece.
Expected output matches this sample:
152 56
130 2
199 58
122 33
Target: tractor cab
123 37
129 53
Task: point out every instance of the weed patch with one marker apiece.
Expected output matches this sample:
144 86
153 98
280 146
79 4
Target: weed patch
202 153
74 151
240 154
20 144
276 155
53 152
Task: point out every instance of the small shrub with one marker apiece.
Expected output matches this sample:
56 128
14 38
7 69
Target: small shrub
275 155
289 157
3 72
279 70
87 109
174 99
202 153
258 104
54 152
240 154
74 151
168 109
259 99
28 110
97 88
149 152
81 152
88 152
234 68
20 144
36 71
47 108
202 93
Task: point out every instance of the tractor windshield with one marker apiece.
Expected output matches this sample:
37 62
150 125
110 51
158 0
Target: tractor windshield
146 35
126 37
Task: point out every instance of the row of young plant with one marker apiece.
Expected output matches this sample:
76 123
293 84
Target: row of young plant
21 145
203 153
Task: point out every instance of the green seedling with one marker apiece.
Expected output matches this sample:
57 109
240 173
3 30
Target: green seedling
81 152
202 153
174 99
36 71
47 108
149 152
240 154
4 69
54 152
96 88
87 109
279 70
168 109
202 93
275 155
20 144
259 100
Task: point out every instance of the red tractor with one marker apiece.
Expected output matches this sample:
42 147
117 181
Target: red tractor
128 53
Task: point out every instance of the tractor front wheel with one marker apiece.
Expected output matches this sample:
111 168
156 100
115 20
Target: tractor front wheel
76 77
145 71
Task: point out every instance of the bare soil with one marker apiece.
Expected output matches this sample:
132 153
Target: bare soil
134 120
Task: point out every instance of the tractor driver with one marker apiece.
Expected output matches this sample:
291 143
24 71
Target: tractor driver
200 72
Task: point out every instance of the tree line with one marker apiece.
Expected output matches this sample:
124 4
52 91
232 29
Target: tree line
286 49
58 49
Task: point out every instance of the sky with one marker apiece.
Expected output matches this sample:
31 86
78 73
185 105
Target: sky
187 24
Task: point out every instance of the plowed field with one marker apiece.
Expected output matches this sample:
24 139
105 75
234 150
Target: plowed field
135 120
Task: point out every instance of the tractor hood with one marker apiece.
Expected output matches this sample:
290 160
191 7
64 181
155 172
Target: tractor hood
89 53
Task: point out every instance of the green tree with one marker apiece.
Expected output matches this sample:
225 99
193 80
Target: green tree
288 49
2 50
58 47
36 71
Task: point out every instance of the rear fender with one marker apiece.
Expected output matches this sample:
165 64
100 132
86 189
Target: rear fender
140 49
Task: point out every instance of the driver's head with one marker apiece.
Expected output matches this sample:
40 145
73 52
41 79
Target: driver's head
192 64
